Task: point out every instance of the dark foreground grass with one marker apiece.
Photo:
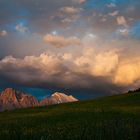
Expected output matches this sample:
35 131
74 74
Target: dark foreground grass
109 118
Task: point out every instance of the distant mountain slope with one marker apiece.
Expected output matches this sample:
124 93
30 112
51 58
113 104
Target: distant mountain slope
11 99
58 98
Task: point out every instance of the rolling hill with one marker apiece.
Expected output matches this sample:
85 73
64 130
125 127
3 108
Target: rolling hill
107 118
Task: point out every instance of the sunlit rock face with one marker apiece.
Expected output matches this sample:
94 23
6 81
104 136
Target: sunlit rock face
58 98
11 99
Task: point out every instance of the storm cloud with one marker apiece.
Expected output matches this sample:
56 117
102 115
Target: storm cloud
106 69
76 44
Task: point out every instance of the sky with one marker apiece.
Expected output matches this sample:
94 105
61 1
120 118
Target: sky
87 48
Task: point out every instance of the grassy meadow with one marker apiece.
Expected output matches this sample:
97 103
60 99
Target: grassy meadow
108 118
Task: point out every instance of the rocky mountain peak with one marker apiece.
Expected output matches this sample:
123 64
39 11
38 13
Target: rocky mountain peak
11 99
58 94
8 92
58 98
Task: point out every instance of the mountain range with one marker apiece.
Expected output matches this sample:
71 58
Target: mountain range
12 99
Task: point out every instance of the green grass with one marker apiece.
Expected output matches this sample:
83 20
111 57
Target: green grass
108 118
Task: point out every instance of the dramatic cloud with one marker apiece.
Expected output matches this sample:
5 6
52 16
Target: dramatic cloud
89 44
124 32
58 71
89 69
111 5
69 14
70 10
79 1
121 20
115 13
60 41
128 73
21 28
3 33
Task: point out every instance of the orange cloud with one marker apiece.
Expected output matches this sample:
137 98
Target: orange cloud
3 33
110 66
60 41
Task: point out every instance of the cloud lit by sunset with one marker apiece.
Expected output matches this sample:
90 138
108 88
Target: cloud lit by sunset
74 44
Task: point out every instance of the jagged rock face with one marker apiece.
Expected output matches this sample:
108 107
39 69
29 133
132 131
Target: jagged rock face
58 98
11 99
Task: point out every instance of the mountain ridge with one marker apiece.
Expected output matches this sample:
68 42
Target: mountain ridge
11 99
58 98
